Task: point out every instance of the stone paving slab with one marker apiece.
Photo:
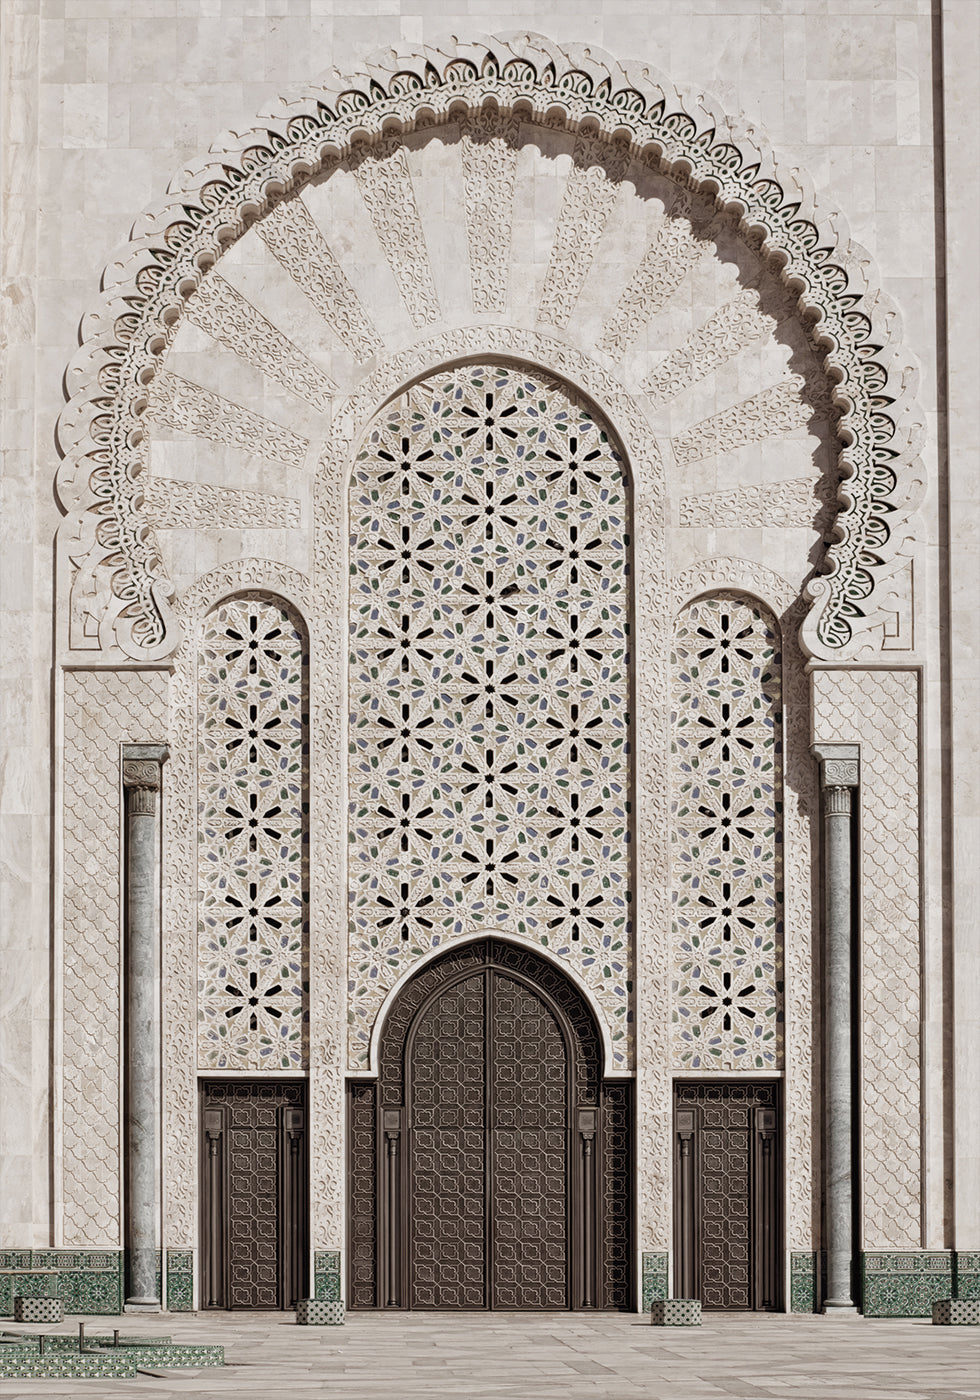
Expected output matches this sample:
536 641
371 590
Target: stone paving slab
551 1356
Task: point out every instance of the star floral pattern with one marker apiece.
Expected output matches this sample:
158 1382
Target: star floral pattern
489 771
253 835
727 889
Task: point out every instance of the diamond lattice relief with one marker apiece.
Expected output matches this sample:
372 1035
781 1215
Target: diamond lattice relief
489 684
252 782
726 859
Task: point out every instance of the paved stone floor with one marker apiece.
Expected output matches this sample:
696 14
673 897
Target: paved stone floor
552 1356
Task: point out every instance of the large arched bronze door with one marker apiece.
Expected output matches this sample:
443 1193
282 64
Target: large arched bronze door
490 1164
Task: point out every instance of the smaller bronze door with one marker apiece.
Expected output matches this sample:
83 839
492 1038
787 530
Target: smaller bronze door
727 1195
253 1194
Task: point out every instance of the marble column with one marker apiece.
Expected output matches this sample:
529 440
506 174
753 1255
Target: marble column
142 769
838 777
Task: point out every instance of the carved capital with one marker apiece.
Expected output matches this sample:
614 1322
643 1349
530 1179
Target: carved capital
142 775
837 801
839 764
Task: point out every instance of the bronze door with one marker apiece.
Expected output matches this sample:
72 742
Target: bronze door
727 1195
490 1166
253 1194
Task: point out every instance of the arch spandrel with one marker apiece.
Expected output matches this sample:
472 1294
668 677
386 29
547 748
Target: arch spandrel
122 601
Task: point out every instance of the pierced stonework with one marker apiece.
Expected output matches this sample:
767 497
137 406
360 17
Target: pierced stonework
489 681
726 867
178 404
253 837
223 313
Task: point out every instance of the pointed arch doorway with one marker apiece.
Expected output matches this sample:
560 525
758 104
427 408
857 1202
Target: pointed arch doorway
489 1162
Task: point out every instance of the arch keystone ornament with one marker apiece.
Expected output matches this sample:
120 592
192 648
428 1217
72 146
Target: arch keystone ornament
122 604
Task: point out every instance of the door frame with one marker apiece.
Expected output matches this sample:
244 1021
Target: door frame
765 1194
293 1192
604 1105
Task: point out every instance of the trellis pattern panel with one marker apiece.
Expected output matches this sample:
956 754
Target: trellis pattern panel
726 854
253 837
489 684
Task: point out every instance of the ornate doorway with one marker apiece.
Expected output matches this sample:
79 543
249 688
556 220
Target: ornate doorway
727 1217
489 1163
253 1194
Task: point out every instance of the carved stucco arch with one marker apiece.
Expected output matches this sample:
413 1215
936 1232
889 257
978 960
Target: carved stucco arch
481 936
106 543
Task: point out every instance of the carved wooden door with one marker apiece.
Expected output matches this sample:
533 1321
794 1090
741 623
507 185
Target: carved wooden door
490 1167
253 1194
726 1195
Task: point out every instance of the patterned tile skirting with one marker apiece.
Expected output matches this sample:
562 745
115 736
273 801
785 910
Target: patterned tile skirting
803 1282
326 1275
905 1283
180 1280
87 1281
61 1358
654 1277
966 1274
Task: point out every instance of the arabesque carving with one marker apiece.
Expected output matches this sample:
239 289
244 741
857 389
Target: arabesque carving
779 410
736 324
122 599
292 236
223 313
191 505
177 403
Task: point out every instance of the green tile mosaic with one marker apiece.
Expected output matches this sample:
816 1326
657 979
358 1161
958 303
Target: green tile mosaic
905 1283
61 1365
326 1275
966 1274
62 1358
654 1277
803 1281
26 1283
15 1258
180 1280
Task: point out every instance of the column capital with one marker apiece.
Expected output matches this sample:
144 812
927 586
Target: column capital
141 765
839 764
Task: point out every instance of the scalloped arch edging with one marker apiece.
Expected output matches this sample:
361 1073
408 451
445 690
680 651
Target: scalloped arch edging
106 538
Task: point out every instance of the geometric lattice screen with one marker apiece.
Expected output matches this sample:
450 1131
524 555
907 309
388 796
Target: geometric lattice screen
253 837
727 849
489 684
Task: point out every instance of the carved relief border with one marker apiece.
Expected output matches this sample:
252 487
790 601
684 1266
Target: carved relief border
800 809
179 991
649 644
122 601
